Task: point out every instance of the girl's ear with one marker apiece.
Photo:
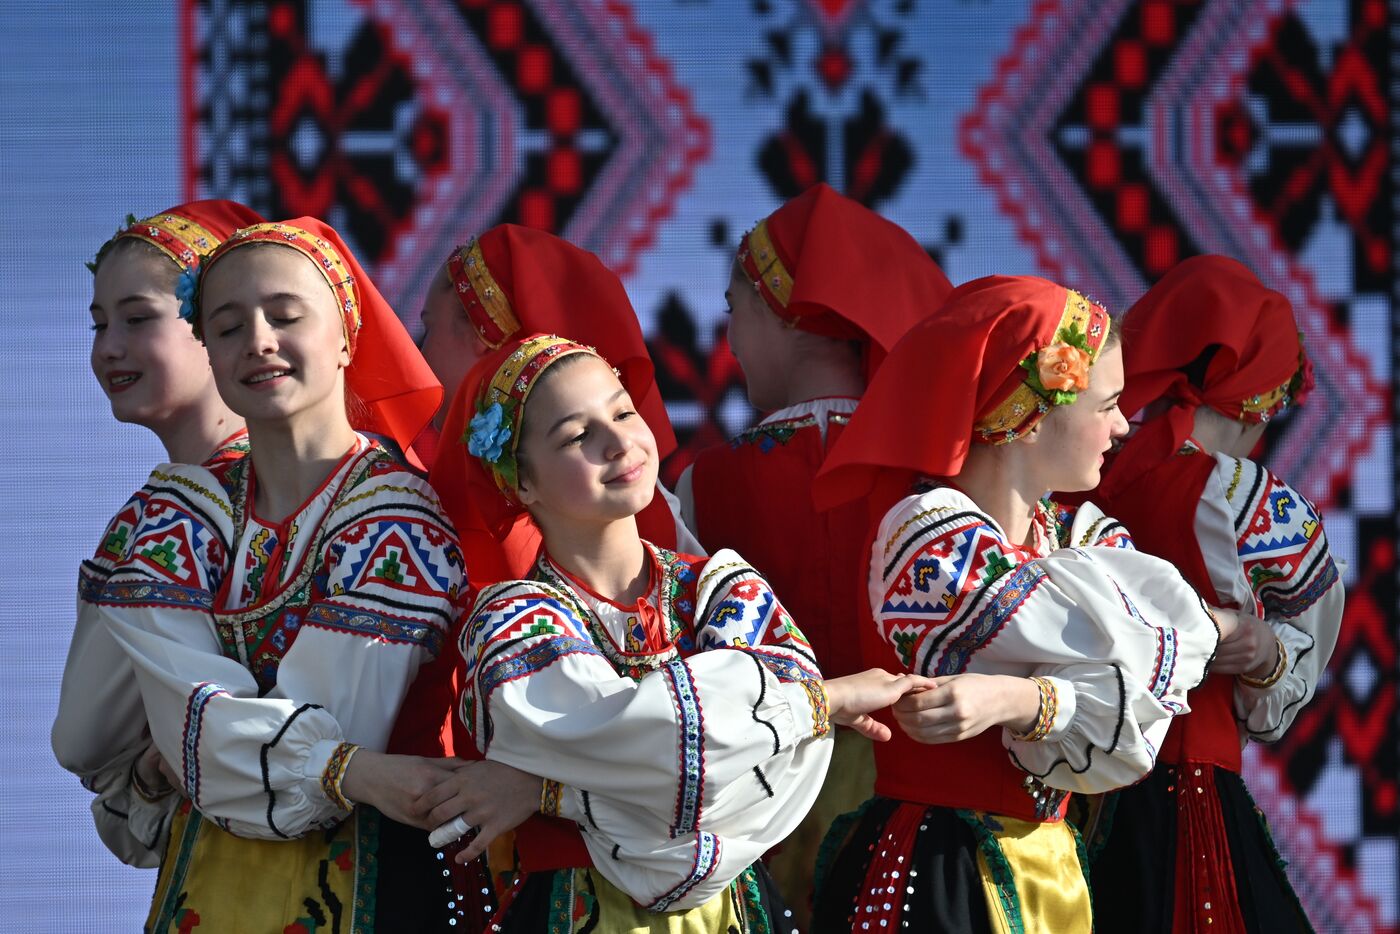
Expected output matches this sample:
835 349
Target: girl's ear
524 493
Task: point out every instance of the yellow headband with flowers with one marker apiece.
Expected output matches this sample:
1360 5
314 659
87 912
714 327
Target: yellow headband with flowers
1055 374
493 434
329 263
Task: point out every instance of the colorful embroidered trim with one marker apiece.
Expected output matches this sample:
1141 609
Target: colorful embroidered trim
707 855
1275 676
759 259
1083 326
194 721
333 776
821 705
1045 717
551 797
179 238
321 252
487 307
502 401
691 726
361 622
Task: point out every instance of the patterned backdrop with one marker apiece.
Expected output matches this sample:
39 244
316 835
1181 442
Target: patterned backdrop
1108 138
1093 141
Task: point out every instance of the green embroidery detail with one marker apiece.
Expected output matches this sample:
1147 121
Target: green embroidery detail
366 821
998 865
543 627
389 569
756 920
904 643
1260 575
162 554
115 545
997 565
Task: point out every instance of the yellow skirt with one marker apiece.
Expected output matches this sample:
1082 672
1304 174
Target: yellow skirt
211 880
581 900
1033 875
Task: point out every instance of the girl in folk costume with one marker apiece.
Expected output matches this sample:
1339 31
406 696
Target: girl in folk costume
276 609
820 291
509 282
669 703
155 374
1212 355
1030 617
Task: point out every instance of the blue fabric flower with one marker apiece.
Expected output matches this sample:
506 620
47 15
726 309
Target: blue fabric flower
184 291
488 436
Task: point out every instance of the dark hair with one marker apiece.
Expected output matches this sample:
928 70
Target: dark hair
122 246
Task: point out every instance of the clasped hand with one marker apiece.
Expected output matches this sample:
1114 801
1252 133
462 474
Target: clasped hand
491 797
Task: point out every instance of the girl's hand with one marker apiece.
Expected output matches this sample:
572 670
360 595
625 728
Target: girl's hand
395 785
851 699
491 797
1250 650
958 707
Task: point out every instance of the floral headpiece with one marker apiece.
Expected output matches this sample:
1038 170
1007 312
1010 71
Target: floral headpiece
493 434
1055 374
180 238
319 250
488 309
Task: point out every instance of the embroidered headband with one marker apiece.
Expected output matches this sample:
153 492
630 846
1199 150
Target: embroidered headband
1055 374
1260 409
184 240
493 435
759 259
328 260
485 302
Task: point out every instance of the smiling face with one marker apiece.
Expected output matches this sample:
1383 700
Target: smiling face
450 344
145 357
1072 440
587 457
275 337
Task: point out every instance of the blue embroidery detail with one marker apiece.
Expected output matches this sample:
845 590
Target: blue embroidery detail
194 721
1020 584
692 747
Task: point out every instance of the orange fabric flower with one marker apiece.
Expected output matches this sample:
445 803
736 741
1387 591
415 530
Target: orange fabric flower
1064 368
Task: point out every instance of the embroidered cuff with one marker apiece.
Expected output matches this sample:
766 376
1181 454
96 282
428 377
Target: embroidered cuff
334 774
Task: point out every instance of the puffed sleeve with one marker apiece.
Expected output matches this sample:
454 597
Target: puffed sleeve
1266 551
678 780
267 765
100 716
1119 635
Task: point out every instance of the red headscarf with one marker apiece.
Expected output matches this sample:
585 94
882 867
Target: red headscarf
957 375
386 372
1259 366
513 281
829 265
